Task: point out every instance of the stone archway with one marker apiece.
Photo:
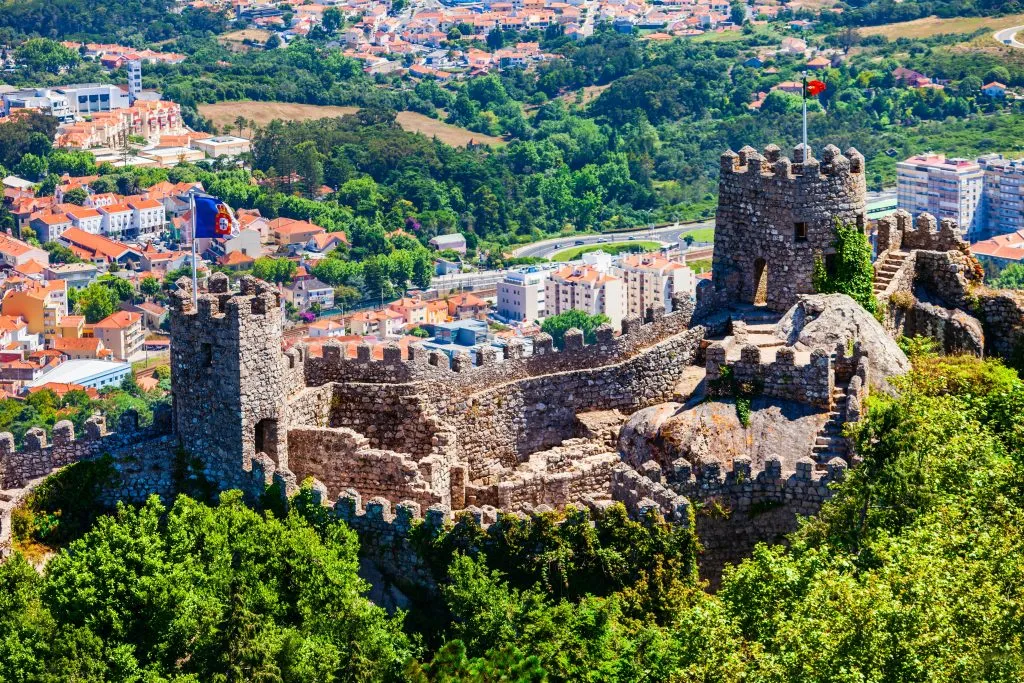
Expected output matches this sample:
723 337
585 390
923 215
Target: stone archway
265 440
760 282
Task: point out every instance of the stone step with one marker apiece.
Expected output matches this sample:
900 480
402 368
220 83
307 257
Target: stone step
834 441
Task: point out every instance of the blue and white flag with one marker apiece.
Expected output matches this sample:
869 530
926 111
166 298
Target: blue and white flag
212 217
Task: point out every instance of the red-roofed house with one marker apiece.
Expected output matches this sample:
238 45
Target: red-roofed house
121 332
288 231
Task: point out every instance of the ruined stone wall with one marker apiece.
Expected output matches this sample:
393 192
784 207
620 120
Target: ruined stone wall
393 416
498 412
498 427
144 462
901 232
782 378
735 509
343 459
41 455
569 473
460 374
776 213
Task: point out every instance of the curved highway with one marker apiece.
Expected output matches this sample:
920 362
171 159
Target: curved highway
1008 36
670 234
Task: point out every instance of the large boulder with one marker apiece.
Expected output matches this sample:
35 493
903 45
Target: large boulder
821 321
711 432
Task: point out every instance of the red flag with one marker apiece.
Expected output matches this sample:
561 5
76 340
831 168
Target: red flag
815 88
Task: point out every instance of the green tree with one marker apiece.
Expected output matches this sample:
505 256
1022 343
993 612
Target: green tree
43 54
149 286
60 253
76 196
95 302
309 164
849 270
1011 277
331 20
280 270
558 325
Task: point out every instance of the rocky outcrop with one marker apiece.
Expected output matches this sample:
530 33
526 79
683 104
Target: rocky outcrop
821 321
711 432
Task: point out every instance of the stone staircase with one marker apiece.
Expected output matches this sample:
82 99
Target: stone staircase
829 442
887 271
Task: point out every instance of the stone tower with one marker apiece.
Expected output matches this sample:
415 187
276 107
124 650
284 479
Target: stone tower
227 379
775 214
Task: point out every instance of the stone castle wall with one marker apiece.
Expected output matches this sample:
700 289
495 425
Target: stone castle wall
776 214
143 460
42 454
811 383
343 459
497 412
950 302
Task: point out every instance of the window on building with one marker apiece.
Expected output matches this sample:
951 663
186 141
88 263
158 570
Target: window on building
800 232
206 355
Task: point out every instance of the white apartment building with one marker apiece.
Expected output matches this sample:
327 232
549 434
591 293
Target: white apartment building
148 217
1003 194
117 220
585 288
521 295
89 98
41 99
946 188
84 218
652 280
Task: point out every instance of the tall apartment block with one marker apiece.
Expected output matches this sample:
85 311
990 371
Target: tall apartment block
521 295
585 288
947 188
652 280
1003 197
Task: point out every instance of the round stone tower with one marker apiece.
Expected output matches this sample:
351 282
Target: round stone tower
775 214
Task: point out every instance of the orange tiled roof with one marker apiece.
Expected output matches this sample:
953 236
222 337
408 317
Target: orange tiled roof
118 321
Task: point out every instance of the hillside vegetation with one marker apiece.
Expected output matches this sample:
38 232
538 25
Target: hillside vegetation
910 573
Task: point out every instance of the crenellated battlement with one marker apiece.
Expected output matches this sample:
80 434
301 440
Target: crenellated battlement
485 368
902 232
800 168
811 382
220 306
41 454
740 487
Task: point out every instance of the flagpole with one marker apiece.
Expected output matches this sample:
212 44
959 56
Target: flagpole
195 273
805 115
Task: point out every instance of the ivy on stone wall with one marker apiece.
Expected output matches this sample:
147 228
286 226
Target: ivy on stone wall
849 270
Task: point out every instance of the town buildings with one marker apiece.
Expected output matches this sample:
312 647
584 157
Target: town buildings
985 194
121 332
652 280
585 288
521 295
1003 196
945 187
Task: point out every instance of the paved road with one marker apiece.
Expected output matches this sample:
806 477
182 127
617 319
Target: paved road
670 234
1008 36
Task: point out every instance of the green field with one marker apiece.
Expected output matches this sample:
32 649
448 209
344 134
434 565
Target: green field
612 248
703 234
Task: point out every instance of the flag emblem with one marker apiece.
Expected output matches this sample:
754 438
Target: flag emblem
815 88
212 217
